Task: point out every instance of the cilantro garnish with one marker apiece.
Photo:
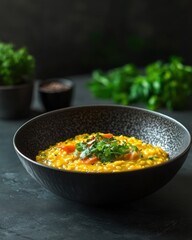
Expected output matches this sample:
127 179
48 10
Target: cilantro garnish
152 158
105 149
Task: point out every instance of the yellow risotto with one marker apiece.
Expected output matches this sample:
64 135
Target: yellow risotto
102 152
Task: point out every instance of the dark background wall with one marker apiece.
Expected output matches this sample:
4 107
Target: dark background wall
77 36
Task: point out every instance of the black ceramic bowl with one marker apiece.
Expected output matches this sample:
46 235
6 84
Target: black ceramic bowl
102 188
56 93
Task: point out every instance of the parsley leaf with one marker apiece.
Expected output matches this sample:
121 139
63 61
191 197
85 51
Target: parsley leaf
161 84
105 149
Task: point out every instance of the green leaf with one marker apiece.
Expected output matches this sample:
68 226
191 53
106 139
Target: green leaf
163 84
105 149
16 65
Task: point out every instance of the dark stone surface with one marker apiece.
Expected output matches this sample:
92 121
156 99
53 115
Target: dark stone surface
28 211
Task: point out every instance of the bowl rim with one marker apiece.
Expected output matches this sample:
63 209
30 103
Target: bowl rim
70 83
95 106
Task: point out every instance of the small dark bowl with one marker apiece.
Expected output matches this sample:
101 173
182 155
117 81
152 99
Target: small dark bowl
56 93
102 188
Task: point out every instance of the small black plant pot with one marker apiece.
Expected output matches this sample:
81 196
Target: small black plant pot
15 101
56 93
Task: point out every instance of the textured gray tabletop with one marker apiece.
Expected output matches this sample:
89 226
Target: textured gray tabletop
28 211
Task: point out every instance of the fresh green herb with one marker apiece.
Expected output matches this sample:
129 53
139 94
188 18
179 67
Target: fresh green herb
152 158
16 65
115 84
105 149
162 84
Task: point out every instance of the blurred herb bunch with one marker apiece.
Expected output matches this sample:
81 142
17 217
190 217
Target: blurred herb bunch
159 85
17 66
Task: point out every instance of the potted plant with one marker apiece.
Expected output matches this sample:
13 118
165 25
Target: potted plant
17 68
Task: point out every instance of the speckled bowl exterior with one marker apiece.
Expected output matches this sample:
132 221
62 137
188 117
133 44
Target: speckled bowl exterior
102 188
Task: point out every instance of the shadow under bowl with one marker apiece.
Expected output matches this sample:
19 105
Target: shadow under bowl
56 93
102 188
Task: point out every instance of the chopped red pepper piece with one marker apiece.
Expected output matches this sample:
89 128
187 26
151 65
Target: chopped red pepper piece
91 160
107 135
68 148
